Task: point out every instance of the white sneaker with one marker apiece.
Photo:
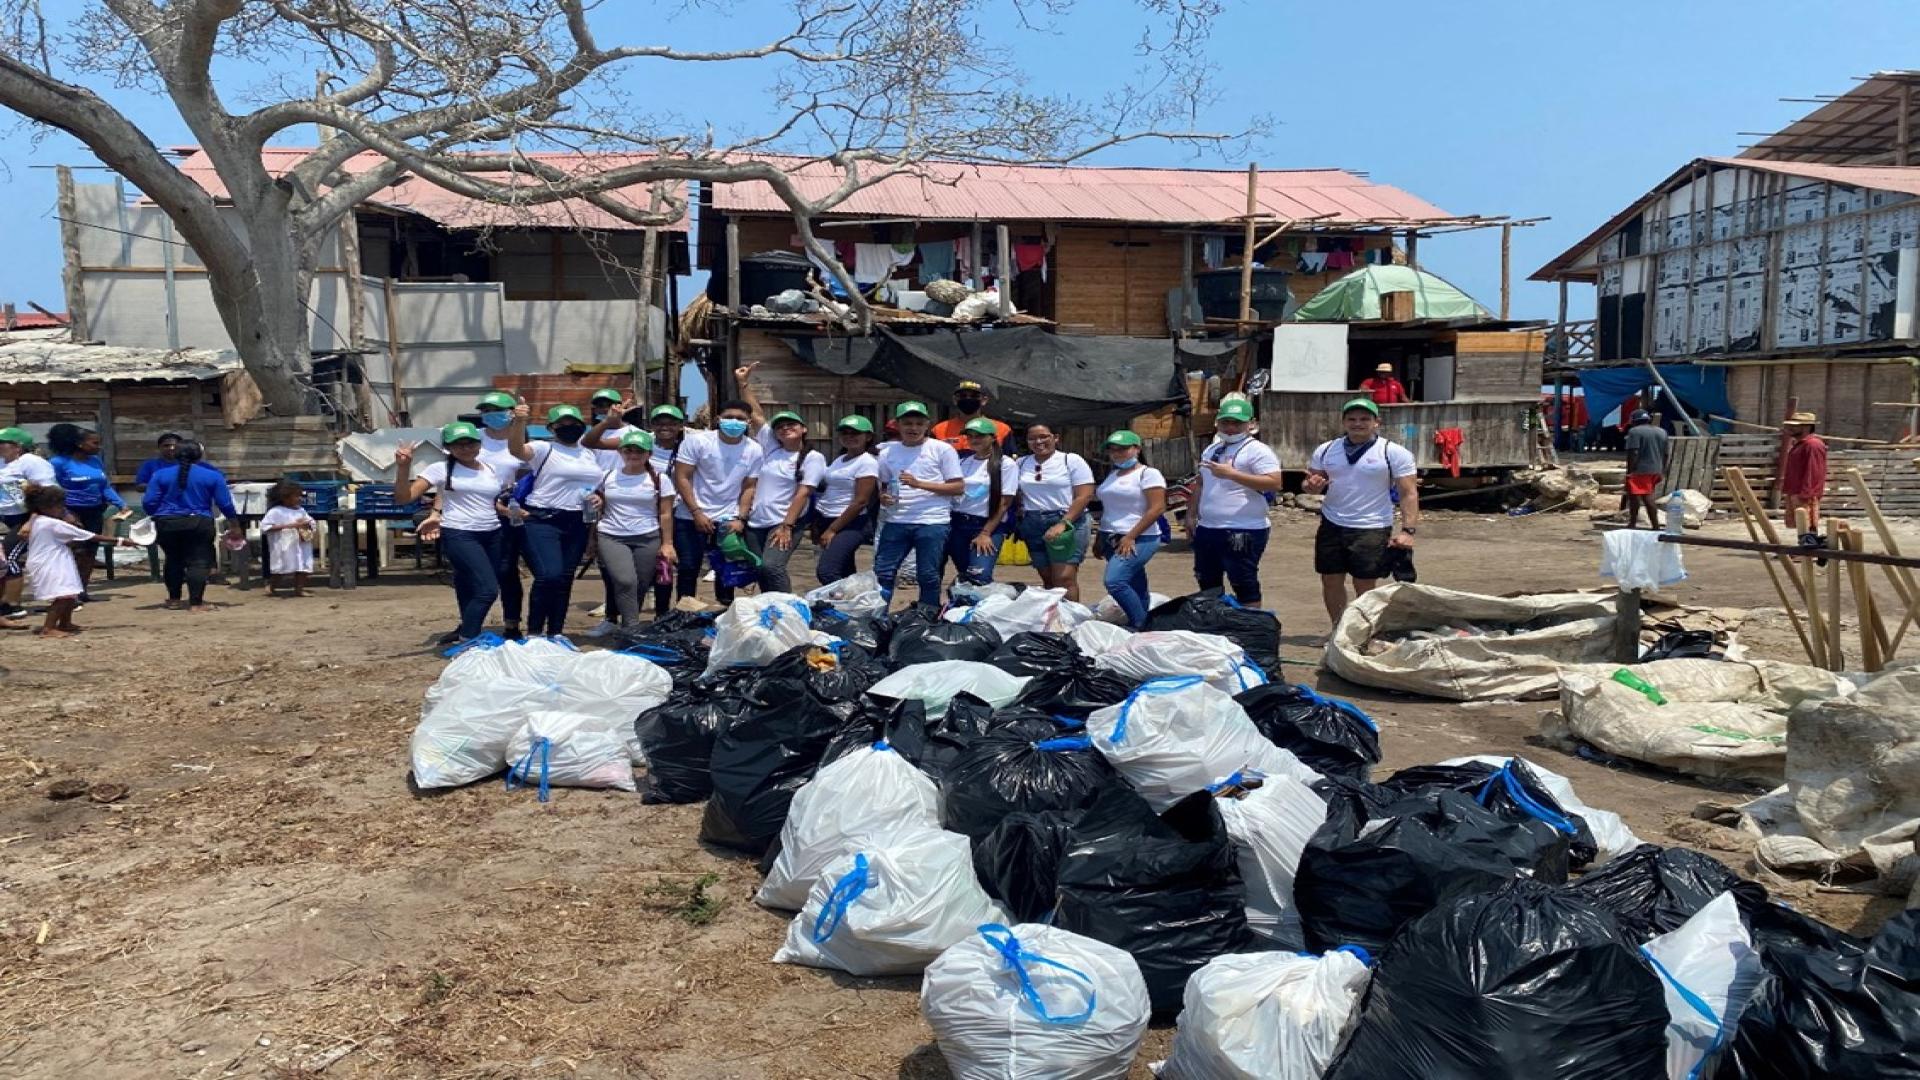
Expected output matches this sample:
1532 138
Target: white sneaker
598 613
603 629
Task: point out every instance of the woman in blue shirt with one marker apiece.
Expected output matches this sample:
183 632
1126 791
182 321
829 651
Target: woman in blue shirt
181 501
77 468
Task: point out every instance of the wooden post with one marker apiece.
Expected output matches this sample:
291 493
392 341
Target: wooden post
733 266
1874 646
1186 280
393 357
1902 132
1671 396
1247 245
1506 270
1755 517
1626 626
1003 258
1821 645
168 285
670 374
71 269
977 259
1836 651
643 333
1413 249
1902 580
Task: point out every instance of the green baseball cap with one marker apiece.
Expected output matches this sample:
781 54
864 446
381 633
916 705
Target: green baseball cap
1360 403
908 408
16 435
458 430
498 399
783 417
560 412
980 425
640 439
856 422
667 410
1124 438
1236 409
607 394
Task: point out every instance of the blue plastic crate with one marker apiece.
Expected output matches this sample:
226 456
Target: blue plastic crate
376 500
321 496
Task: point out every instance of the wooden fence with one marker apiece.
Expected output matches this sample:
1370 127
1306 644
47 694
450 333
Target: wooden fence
1890 473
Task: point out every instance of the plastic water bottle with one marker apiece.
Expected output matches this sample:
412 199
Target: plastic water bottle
516 514
1676 514
588 513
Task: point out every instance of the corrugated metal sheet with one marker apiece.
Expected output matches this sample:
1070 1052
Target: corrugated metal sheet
45 356
1071 193
450 209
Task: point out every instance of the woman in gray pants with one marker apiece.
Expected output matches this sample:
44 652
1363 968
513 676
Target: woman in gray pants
783 499
633 500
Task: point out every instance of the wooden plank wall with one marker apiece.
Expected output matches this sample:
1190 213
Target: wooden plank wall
783 381
1498 365
1495 431
1840 393
1114 281
1890 474
1692 464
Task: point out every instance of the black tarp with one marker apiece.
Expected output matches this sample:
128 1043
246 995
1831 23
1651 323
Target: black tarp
1032 374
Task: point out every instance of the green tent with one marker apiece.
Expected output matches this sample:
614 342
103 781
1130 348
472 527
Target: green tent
1356 297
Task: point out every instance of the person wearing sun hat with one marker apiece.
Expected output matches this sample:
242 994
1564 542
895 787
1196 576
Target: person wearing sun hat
844 504
782 498
919 476
1227 513
992 482
1803 470
1359 474
1133 502
561 474
1383 388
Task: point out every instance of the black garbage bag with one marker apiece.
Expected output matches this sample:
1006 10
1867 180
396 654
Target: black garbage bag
1651 890
1022 765
862 630
931 745
1363 877
1368 800
923 642
1523 983
1513 790
1839 1014
1035 652
1018 863
1214 612
678 642
1075 689
1164 888
678 735
1334 738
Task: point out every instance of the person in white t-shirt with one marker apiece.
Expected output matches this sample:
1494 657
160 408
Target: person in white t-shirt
844 503
51 568
980 513
635 501
496 416
714 477
288 530
563 473
1055 488
1230 529
1133 502
783 499
1360 475
919 476
20 469
466 519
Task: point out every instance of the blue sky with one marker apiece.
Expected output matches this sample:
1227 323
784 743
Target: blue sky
1522 108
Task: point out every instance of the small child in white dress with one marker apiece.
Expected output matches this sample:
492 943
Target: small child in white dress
289 533
52 573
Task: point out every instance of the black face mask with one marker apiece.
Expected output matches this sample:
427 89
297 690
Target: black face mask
569 433
968 405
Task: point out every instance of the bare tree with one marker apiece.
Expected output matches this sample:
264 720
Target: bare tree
465 94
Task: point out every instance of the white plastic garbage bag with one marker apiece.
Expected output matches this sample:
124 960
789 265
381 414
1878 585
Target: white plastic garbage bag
1267 1016
754 630
1610 833
1270 826
1638 560
1155 653
856 595
566 749
872 789
1035 1001
1108 610
485 695
1176 735
1038 610
1095 638
890 907
966 593
934 684
1709 969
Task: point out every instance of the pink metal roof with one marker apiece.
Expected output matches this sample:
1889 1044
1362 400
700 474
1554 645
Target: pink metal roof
447 208
1072 193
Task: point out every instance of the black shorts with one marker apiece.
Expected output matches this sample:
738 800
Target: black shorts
1360 553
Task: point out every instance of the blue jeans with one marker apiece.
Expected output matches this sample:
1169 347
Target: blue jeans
1033 529
968 564
1126 577
836 559
927 542
475 557
1232 553
506 571
555 541
691 545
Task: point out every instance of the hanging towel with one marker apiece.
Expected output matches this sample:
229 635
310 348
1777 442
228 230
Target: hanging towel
1213 251
1340 260
1029 256
875 262
963 257
936 260
1313 262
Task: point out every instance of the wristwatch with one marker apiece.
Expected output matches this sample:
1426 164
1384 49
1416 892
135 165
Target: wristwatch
1409 530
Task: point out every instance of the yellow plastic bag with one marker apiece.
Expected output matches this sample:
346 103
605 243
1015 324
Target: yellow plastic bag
1014 553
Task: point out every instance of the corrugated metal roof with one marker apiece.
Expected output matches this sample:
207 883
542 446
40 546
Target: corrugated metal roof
46 356
1074 193
450 209
1860 126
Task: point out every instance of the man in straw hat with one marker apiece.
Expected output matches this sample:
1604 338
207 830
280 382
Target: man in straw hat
1803 471
1384 388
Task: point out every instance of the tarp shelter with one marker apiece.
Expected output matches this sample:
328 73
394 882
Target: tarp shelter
1703 390
1032 374
1356 297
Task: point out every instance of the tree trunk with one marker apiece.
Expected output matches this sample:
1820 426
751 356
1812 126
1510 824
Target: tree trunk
263 305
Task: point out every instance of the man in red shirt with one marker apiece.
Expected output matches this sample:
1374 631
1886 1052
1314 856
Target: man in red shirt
1803 471
1384 388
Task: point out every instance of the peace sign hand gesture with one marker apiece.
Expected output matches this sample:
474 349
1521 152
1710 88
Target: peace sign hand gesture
403 454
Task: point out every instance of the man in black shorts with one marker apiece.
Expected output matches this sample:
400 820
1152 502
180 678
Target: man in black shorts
1359 475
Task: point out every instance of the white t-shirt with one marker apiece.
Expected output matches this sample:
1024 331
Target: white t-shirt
979 493
720 469
495 454
1225 504
837 483
633 503
1360 496
933 461
773 495
1049 484
469 506
16 475
291 555
564 475
1123 496
51 571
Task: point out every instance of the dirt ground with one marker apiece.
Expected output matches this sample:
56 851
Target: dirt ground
270 899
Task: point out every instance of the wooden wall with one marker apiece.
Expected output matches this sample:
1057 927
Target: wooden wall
1114 281
1839 392
784 381
1498 364
1496 431
1891 478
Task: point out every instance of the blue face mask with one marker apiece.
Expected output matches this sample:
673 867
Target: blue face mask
495 420
733 429
1123 466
